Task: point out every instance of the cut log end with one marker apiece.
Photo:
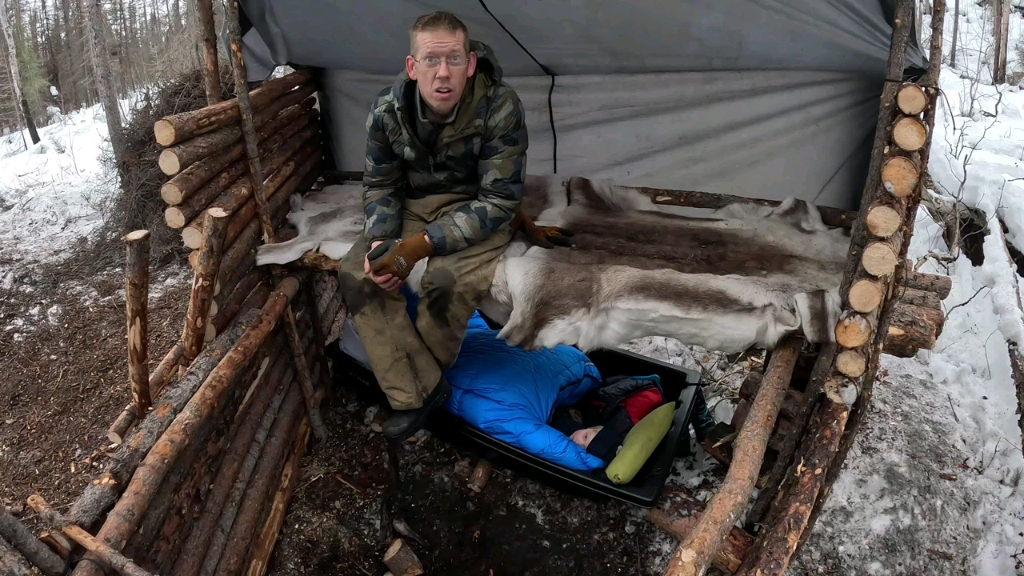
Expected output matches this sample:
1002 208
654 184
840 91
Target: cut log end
853 331
851 363
168 162
136 236
171 194
192 237
865 295
163 131
883 221
174 218
401 560
900 175
879 259
911 99
218 212
909 134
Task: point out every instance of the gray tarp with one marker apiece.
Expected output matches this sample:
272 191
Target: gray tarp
761 98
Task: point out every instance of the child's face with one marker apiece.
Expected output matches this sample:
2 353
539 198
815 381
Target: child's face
583 436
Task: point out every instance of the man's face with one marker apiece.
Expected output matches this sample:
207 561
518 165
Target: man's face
440 67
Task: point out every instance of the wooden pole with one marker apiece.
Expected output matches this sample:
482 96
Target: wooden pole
157 380
98 549
883 315
208 37
267 538
123 519
245 109
775 546
237 462
102 492
693 556
729 554
202 283
22 539
136 292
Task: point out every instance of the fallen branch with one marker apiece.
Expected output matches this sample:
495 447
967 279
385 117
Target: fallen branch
13 531
98 549
12 563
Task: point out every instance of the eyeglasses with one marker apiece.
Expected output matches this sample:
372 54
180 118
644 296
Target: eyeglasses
432 62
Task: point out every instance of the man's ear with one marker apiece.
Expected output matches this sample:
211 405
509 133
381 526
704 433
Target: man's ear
410 67
472 64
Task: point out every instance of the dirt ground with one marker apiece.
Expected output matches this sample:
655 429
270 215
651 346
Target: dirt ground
62 354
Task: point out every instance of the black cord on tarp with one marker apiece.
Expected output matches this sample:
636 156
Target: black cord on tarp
551 89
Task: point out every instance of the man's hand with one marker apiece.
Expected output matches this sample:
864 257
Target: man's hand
396 258
385 281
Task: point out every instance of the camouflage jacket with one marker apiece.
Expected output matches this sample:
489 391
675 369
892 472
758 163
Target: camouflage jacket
481 154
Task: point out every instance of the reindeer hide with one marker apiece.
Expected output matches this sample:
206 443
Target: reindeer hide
727 279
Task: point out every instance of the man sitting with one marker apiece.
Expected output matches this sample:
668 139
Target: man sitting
445 165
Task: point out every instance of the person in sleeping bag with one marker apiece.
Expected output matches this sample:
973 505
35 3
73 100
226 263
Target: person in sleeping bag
512 394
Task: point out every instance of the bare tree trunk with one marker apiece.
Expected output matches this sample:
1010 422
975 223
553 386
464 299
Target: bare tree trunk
997 37
956 28
12 61
1003 23
104 81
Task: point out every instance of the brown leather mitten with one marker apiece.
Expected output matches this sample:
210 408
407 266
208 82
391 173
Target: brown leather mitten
397 257
543 236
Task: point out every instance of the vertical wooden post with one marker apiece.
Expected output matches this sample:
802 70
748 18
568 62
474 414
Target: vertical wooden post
208 38
868 331
214 229
136 299
263 211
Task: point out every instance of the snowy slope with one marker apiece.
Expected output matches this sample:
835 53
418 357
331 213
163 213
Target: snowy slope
51 193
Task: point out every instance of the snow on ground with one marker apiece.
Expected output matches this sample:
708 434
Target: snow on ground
51 193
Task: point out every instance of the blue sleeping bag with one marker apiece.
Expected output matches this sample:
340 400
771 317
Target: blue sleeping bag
510 393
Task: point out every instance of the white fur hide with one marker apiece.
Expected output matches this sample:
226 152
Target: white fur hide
729 279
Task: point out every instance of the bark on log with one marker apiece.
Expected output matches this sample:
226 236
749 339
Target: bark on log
938 285
123 519
833 217
201 295
171 130
775 546
183 184
177 158
772 481
98 550
866 295
729 555
909 331
211 67
157 380
401 560
915 297
267 470
254 299
881 257
236 199
911 99
101 493
11 562
237 463
136 292
900 176
22 539
241 255
694 554
267 538
909 134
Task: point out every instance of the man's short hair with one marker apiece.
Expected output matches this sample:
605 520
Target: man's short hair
438 21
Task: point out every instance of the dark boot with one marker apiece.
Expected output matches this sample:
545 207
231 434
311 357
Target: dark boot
404 423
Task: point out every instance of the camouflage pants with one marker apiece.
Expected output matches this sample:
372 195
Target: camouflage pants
407 359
